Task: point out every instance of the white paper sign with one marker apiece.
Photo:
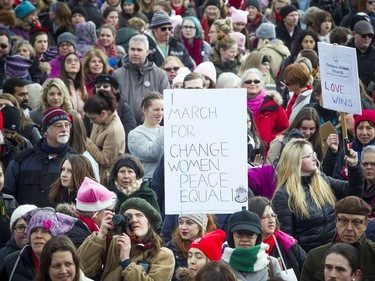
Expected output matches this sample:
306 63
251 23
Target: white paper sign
205 150
339 78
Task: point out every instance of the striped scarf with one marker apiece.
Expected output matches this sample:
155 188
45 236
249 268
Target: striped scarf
251 259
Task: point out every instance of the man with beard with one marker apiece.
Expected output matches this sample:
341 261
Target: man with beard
17 88
4 52
30 175
288 28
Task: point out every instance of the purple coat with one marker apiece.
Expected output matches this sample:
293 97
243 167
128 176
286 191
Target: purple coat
55 67
261 180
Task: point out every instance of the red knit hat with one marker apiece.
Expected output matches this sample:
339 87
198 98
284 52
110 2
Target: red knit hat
52 115
210 244
367 115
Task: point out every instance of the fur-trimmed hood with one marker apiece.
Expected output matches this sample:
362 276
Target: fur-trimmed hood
275 96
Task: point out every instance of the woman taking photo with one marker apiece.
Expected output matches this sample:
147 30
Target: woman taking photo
71 73
60 260
225 56
304 199
73 171
287 247
146 142
190 227
265 106
126 181
54 94
135 254
107 139
191 35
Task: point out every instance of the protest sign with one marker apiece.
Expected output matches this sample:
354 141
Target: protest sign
339 78
205 150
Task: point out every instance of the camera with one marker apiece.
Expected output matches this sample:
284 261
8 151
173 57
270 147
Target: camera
122 221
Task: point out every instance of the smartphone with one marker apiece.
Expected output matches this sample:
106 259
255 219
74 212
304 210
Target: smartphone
145 265
346 146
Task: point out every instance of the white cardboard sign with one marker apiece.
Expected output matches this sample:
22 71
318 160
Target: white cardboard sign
205 151
339 78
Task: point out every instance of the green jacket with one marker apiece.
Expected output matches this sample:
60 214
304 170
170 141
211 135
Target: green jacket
313 268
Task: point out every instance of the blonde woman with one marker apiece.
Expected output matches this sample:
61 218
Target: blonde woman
305 198
54 94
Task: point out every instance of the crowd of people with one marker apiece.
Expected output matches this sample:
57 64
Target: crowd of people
82 179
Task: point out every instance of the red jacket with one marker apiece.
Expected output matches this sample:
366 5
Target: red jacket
271 119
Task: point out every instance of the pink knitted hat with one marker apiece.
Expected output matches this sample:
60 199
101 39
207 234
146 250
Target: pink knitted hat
207 69
240 39
238 15
93 197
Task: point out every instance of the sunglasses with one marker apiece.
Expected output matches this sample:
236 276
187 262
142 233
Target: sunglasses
364 36
104 85
249 82
165 28
4 46
169 69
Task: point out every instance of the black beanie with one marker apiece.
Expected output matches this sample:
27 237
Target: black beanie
11 118
255 3
287 10
79 10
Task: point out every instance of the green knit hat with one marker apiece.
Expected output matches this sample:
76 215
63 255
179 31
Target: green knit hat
146 208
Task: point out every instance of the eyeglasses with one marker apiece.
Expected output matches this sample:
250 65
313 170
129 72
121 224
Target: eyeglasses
169 69
269 217
188 27
104 85
249 82
20 228
60 126
364 36
344 222
247 234
368 164
311 155
72 60
4 46
165 28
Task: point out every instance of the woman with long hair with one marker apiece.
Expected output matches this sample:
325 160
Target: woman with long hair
54 94
304 199
59 19
111 16
107 138
135 254
146 141
94 64
323 24
273 14
73 171
190 227
59 258
307 122
71 73
106 43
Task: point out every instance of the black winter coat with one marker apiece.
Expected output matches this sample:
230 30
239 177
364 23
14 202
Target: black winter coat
180 260
10 204
175 48
10 247
283 34
24 267
320 227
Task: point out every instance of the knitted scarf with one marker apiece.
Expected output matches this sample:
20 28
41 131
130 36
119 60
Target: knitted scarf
251 259
110 51
255 103
46 148
195 49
